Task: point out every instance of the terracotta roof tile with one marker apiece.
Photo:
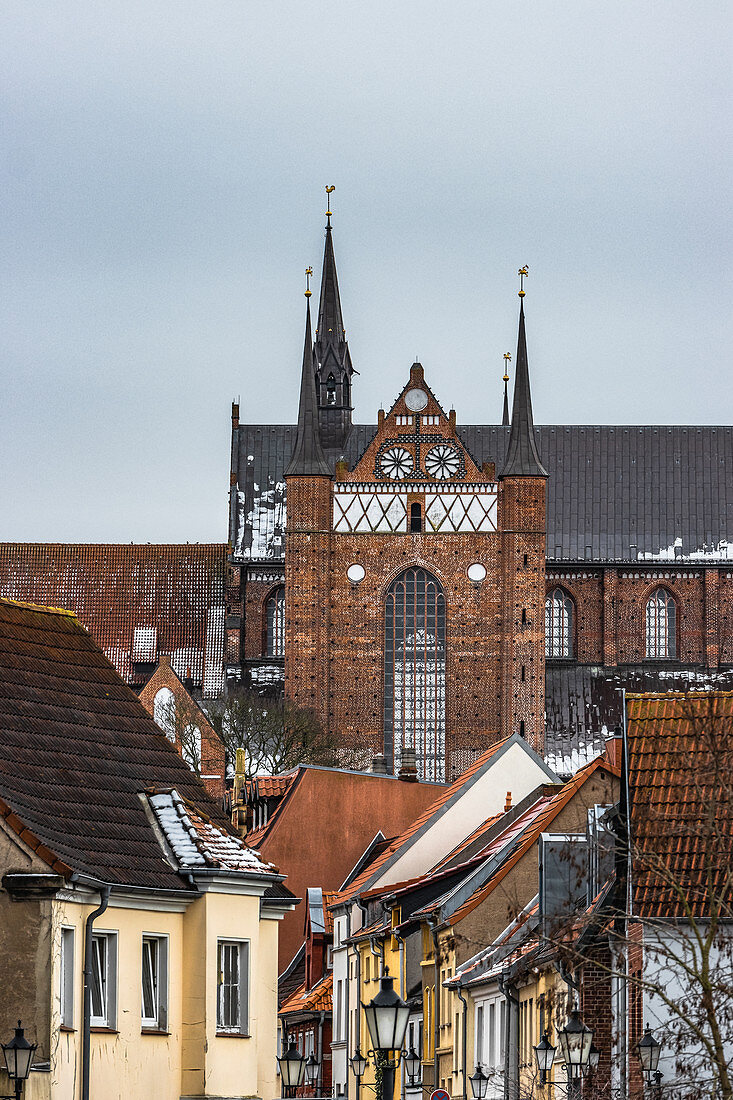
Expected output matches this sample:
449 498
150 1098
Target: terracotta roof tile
137 601
77 751
680 768
317 999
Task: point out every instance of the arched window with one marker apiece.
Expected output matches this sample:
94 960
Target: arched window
414 672
559 611
415 517
164 712
661 624
275 618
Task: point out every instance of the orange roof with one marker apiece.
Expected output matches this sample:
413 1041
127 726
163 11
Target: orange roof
680 768
317 999
285 783
401 841
548 812
270 786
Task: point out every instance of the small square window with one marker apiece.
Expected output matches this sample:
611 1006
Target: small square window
104 979
232 1008
154 1005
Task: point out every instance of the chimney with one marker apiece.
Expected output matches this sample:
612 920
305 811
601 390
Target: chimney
614 747
379 765
408 767
508 803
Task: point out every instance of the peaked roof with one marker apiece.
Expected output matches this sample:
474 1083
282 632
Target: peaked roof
681 790
330 326
78 752
317 999
308 459
522 457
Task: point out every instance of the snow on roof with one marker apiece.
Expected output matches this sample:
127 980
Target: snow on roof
196 842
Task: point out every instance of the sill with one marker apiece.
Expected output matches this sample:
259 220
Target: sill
97 1030
65 1027
232 1035
153 1031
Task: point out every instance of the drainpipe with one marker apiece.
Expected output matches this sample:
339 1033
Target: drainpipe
87 991
511 1056
433 922
464 1045
319 1078
403 994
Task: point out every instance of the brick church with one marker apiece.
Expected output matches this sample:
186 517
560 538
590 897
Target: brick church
429 585
436 586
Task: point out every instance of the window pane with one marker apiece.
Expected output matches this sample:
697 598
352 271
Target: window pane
661 625
150 979
99 977
558 624
275 614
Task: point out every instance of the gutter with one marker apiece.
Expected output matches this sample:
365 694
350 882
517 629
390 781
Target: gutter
433 924
511 1078
104 892
464 1044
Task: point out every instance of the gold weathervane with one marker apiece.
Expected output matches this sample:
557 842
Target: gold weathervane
523 274
507 361
328 202
308 273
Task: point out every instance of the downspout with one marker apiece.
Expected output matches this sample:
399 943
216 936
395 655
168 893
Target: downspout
403 994
511 1072
319 1078
87 990
464 1044
433 922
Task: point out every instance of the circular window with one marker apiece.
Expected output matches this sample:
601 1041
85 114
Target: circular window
396 463
442 461
356 573
476 572
416 400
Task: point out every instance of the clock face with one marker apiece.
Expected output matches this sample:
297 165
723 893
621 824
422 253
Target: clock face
416 400
442 461
396 463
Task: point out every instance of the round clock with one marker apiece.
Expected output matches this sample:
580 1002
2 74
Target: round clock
416 400
396 463
356 573
442 461
476 572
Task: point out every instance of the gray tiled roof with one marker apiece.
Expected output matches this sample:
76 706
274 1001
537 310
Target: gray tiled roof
615 493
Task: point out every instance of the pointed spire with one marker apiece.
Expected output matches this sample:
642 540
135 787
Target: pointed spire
522 456
331 351
330 327
505 414
308 458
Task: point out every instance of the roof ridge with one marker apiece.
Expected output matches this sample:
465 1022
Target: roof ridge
40 607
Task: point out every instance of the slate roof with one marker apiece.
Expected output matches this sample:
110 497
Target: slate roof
138 601
614 492
681 791
78 750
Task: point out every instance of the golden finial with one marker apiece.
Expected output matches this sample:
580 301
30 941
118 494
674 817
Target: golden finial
308 273
328 201
507 361
523 274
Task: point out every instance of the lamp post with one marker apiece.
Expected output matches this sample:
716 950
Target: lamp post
386 1016
412 1063
575 1045
292 1069
18 1054
312 1066
479 1083
648 1048
544 1053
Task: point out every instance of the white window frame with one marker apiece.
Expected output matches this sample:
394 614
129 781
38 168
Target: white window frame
241 1025
104 978
158 944
67 955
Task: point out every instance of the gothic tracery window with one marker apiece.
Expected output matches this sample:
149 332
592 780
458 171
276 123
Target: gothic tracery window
661 624
559 625
275 623
414 679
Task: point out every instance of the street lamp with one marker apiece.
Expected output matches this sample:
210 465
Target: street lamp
358 1065
292 1069
544 1052
386 1016
312 1066
594 1057
575 1042
412 1064
649 1049
18 1054
479 1083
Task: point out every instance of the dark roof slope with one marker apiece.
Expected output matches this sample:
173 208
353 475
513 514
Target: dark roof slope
138 601
614 493
78 748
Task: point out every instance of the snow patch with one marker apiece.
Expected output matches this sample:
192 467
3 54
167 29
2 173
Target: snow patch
721 551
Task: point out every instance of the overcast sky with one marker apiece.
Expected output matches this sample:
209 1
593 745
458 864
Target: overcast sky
163 168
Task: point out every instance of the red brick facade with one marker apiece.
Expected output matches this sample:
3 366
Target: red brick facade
494 630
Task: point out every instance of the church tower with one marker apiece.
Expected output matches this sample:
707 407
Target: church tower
333 369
